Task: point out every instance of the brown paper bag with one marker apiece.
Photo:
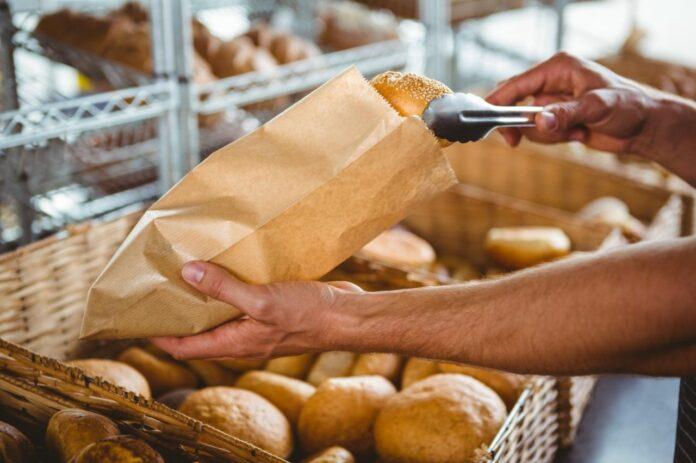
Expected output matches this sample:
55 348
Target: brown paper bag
289 201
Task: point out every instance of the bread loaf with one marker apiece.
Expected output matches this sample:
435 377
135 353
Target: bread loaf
71 430
399 247
333 454
15 447
331 365
382 364
288 394
521 247
211 373
507 385
118 449
294 366
118 373
417 369
163 375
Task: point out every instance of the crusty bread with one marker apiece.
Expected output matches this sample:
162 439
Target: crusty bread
441 419
14 445
382 364
294 366
333 454
118 373
331 365
242 414
417 369
397 246
163 375
211 373
288 394
342 412
71 430
507 385
118 449
521 247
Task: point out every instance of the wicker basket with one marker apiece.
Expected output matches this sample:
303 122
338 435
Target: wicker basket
43 287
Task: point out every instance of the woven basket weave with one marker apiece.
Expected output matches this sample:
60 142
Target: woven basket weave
43 287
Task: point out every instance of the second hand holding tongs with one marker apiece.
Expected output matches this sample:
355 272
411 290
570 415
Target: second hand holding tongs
463 117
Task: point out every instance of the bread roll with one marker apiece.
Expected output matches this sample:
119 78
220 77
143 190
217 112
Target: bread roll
211 373
288 394
399 247
174 399
133 11
117 373
521 247
331 365
69 431
240 56
241 365
441 419
409 94
118 449
333 454
294 366
204 42
76 29
242 414
417 369
261 35
381 364
613 212
287 48
507 385
163 375
342 412
15 447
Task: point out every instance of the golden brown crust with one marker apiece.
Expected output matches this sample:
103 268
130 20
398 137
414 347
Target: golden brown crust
521 247
241 365
333 454
211 373
242 414
288 394
331 365
441 419
15 447
342 412
399 247
118 373
294 366
417 369
69 431
119 449
507 385
382 364
163 375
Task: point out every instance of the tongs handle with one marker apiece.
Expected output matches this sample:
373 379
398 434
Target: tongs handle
464 117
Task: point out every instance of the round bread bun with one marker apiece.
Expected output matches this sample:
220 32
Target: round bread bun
118 449
223 60
409 94
204 42
211 373
382 364
288 394
242 414
613 212
342 412
441 419
241 365
262 35
163 375
174 399
507 385
331 365
333 454
294 366
521 247
118 373
287 48
15 447
69 431
397 246
417 369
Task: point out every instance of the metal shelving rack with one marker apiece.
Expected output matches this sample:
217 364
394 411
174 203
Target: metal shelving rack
53 145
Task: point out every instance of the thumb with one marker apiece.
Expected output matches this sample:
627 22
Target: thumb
218 283
560 117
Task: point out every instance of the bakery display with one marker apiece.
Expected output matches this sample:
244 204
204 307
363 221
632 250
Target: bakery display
521 247
15 447
382 364
416 369
333 454
444 418
118 373
613 212
288 394
294 366
71 430
400 247
242 414
342 412
508 386
162 375
118 449
331 365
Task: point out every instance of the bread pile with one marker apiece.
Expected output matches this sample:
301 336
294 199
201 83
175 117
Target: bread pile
346 24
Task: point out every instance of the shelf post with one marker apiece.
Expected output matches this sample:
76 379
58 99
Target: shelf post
436 17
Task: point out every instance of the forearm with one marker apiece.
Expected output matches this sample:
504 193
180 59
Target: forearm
621 311
668 135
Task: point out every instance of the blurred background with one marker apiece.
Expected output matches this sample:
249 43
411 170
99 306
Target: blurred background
106 104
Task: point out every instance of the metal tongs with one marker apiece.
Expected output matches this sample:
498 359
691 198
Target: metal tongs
463 117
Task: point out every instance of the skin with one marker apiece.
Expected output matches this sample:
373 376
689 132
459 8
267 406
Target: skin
631 310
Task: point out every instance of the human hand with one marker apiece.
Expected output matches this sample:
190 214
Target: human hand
279 319
583 102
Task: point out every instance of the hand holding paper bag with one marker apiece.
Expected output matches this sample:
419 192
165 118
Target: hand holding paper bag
289 201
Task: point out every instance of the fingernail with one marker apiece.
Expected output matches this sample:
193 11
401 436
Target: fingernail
193 272
549 122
